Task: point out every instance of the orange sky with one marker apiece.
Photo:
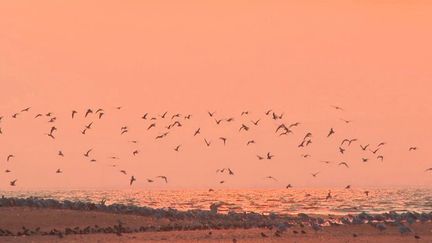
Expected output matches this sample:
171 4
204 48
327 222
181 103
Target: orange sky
371 57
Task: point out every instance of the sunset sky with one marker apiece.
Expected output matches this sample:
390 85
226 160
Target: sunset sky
373 58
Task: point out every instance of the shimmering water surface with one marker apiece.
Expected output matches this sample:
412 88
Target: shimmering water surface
289 201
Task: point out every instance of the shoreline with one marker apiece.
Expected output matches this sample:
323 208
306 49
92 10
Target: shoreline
51 220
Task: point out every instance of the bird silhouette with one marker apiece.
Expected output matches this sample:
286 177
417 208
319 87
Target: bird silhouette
198 131
177 148
88 112
132 179
207 142
331 132
86 154
269 156
344 163
163 177
223 140
364 147
315 174
13 183
271 177
412 149
250 142
58 171
74 112
10 156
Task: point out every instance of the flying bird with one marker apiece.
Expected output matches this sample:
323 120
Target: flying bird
412 149
269 156
88 153
344 163
13 183
89 111
271 177
163 177
331 132
132 179
250 142
364 147
10 156
207 142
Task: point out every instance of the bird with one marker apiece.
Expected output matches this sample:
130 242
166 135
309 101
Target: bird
341 150
89 111
223 139
346 121
288 186
177 148
256 122
344 163
367 193
348 187
135 152
123 171
364 147
244 113
163 177
164 114
381 144
144 117
306 155
375 151
151 126
60 153
101 114
13 183
50 135
38 115
58 171
211 114
73 113
207 142
10 156
271 177
86 154
269 156
250 142
412 149
244 127
331 132
329 195
337 107
132 179
428 169
365 159
221 182
294 124
263 235
260 157
26 109
198 131
218 121
315 174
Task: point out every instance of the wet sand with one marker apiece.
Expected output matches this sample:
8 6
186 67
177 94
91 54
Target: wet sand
14 218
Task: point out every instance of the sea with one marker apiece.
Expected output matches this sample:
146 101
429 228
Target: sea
264 201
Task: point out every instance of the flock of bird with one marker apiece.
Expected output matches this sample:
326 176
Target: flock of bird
176 120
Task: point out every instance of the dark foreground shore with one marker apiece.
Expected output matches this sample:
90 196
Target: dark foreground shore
50 223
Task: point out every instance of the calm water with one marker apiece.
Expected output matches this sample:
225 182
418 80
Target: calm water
289 201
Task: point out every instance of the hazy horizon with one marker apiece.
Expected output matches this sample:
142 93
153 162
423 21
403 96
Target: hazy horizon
372 58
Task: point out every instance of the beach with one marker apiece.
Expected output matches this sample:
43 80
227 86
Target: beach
60 220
